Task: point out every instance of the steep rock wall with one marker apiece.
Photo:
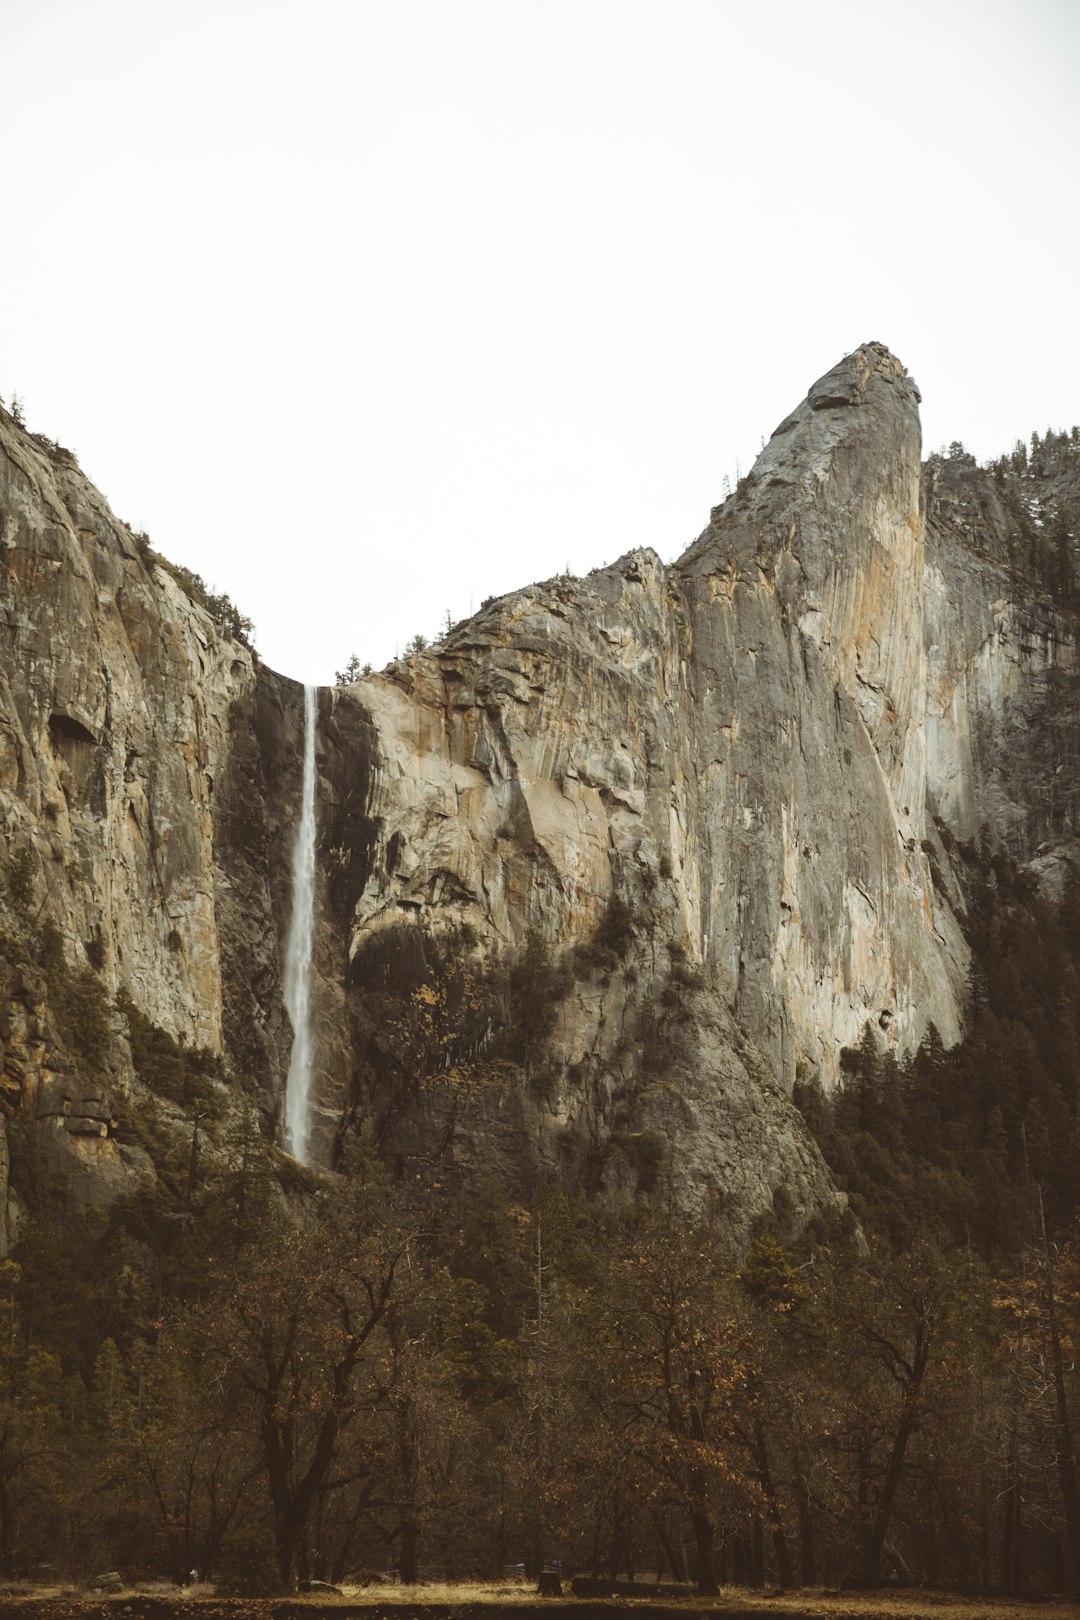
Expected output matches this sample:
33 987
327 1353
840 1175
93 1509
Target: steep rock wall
1003 694
115 691
533 767
735 745
115 696
697 800
810 674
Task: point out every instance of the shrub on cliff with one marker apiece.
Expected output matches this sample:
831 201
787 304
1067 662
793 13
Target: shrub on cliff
221 608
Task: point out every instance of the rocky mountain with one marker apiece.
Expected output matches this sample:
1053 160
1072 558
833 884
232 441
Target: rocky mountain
600 874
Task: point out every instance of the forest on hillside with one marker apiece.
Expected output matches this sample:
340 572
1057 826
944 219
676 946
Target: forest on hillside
264 1374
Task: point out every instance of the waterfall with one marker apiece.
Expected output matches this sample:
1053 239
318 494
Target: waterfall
299 948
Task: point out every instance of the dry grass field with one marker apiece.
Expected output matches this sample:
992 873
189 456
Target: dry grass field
492 1601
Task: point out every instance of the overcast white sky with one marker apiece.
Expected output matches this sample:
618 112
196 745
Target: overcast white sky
368 309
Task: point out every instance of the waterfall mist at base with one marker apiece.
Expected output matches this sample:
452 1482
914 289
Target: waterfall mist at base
298 953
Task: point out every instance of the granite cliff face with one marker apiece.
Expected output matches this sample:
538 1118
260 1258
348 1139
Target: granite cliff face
113 694
601 873
1000 594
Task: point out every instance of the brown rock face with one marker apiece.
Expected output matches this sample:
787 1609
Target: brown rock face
601 872
115 696
1003 688
115 692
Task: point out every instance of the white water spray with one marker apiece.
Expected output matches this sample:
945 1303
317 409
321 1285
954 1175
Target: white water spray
299 948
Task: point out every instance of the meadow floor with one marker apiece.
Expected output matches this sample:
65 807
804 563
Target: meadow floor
506 1603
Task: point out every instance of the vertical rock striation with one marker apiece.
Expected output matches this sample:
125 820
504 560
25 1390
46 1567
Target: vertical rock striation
810 676
1003 692
115 696
115 692
750 721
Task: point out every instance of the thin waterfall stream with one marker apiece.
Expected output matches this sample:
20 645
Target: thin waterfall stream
299 951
